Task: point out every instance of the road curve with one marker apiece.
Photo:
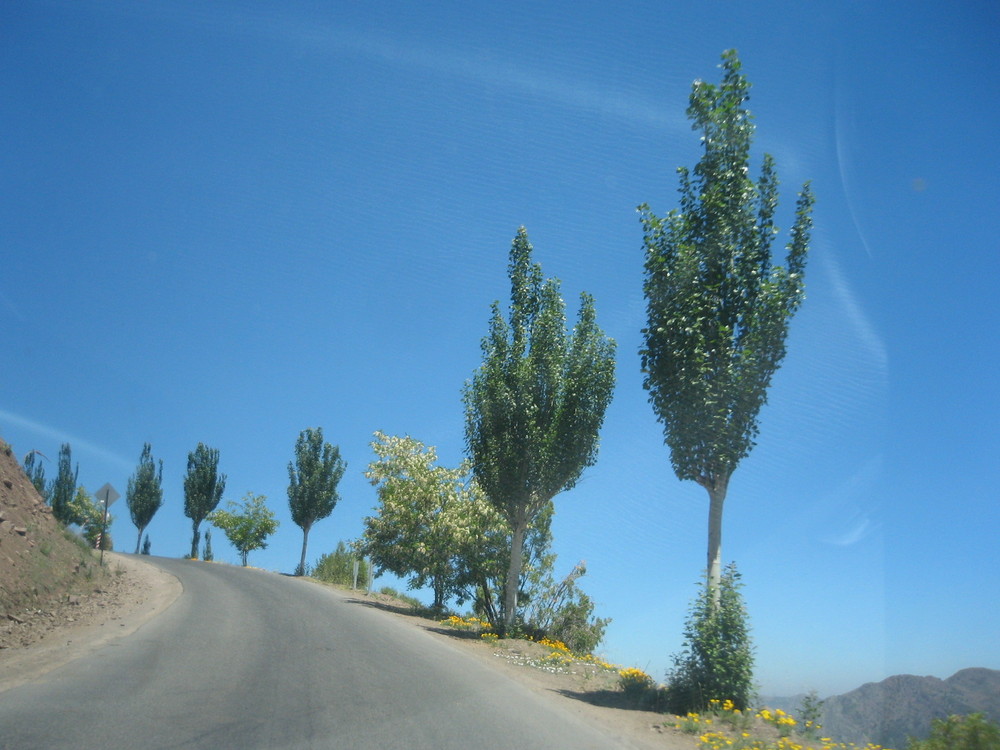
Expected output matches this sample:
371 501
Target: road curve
251 659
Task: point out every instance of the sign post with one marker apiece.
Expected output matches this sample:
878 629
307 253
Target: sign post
107 495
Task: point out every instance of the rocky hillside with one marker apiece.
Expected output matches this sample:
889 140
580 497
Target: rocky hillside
41 564
903 706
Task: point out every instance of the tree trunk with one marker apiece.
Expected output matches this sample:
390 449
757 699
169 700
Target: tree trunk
438 605
138 544
513 574
717 496
244 554
195 538
301 570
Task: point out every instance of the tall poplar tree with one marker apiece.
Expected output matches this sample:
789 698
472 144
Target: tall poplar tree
534 407
36 473
718 310
312 483
144 495
203 488
63 487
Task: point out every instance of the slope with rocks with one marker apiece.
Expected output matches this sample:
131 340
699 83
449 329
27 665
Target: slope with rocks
46 572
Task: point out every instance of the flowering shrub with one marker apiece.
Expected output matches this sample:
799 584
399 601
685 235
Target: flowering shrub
634 682
472 623
784 722
739 737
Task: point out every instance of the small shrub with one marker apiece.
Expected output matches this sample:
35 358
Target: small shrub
810 712
634 682
338 567
563 612
146 545
717 661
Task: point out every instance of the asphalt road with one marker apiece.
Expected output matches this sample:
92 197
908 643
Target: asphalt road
250 659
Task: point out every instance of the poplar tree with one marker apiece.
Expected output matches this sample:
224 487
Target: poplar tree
203 488
534 407
63 487
718 310
36 473
144 494
312 483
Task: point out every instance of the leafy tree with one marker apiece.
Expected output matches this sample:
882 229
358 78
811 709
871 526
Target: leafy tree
246 526
144 494
338 567
206 553
36 473
535 405
435 527
203 488
312 485
717 660
423 521
63 487
972 732
718 311
146 545
88 514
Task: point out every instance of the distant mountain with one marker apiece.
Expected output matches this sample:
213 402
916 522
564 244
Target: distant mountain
903 706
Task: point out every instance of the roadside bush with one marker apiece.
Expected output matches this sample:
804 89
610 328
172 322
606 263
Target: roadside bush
562 612
338 567
717 661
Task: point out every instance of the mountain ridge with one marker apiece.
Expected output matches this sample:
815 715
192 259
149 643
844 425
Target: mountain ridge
902 706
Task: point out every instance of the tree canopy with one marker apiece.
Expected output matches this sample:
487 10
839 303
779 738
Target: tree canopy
535 405
144 494
718 310
63 487
312 483
203 488
247 526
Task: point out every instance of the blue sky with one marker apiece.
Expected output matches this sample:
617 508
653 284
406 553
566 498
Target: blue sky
226 224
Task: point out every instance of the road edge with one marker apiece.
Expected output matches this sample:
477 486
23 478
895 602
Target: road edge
65 645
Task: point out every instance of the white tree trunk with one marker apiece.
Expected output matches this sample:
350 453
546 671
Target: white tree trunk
717 497
513 574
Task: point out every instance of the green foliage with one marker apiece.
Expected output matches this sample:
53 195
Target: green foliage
717 661
428 516
562 612
435 528
535 405
718 310
246 526
206 554
144 495
87 513
36 473
203 488
338 567
63 487
972 732
312 483
810 712
146 545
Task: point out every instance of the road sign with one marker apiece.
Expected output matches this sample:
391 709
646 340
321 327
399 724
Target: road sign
107 495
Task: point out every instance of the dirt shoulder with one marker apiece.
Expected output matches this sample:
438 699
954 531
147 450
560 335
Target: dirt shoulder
585 690
36 641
